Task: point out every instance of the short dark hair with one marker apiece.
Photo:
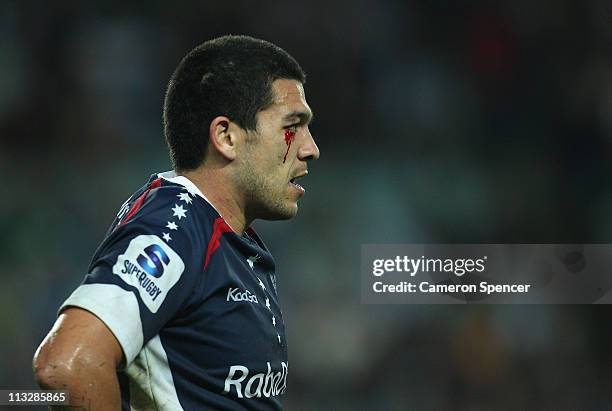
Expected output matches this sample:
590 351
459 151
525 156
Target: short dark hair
228 76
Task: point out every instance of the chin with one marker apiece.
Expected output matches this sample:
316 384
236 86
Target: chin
281 213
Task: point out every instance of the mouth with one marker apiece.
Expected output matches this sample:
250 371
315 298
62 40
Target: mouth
297 186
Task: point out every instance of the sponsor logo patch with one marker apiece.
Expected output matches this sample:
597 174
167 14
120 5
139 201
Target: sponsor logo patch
236 294
152 267
242 383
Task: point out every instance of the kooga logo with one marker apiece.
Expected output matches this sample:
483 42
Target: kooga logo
234 294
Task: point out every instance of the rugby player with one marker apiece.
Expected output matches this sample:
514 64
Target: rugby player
178 309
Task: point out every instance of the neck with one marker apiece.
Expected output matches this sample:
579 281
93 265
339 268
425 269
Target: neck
216 186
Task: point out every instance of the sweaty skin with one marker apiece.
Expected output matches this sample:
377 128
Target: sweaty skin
289 137
80 355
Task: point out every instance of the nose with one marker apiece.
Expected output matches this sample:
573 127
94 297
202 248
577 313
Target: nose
308 149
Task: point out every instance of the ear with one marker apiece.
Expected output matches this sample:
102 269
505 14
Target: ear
222 135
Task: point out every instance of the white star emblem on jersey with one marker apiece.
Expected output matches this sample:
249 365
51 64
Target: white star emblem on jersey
278 339
273 280
251 260
263 287
179 211
166 237
268 303
185 197
274 321
172 225
190 191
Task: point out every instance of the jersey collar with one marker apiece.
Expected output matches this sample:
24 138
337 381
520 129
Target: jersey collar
189 186
185 182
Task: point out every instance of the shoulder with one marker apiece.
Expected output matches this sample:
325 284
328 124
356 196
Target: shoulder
162 213
164 203
155 242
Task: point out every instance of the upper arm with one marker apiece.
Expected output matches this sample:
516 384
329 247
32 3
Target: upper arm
138 280
78 342
142 276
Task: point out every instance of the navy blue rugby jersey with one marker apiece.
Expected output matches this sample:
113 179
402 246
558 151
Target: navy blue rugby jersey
192 303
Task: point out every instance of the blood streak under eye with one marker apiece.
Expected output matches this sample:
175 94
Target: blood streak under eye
289 137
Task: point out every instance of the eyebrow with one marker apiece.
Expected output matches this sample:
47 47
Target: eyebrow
305 117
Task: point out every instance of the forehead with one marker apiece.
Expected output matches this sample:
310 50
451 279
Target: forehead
289 99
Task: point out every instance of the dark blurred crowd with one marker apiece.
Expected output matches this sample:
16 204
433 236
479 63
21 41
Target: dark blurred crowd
438 122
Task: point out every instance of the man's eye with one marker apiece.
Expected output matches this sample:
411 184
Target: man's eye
293 128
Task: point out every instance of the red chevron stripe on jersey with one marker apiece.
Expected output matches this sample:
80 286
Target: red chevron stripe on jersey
219 227
138 203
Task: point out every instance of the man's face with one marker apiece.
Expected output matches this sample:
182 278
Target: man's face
276 154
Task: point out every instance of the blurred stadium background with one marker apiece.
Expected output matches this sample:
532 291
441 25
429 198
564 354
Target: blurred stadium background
438 121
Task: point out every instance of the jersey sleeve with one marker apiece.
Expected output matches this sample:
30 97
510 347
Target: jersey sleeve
145 272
